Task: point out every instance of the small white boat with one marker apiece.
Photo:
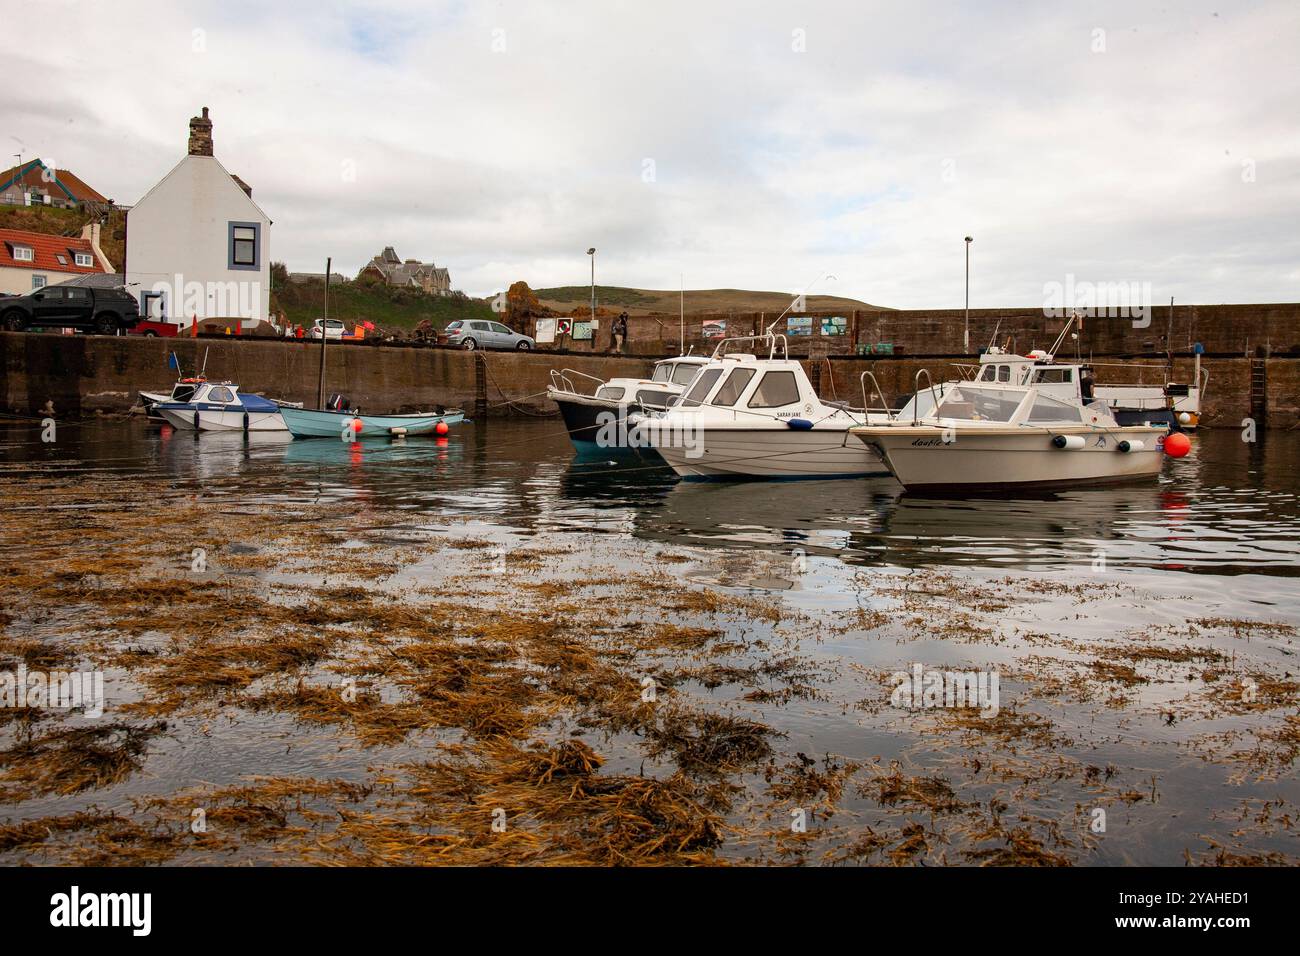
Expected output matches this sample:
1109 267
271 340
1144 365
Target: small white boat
599 420
991 434
221 406
758 416
182 391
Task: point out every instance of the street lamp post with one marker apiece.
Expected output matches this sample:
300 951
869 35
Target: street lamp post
966 335
592 252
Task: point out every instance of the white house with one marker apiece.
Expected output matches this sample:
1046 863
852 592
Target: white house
197 246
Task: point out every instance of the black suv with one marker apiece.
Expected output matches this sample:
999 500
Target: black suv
104 311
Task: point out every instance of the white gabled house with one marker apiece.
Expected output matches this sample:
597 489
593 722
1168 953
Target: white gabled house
197 246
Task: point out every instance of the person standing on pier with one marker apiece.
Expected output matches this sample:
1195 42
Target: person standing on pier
618 332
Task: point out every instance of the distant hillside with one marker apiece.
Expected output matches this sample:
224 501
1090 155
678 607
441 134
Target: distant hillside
388 307
642 301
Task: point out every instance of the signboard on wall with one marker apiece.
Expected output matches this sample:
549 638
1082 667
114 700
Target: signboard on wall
582 331
545 331
834 325
798 325
715 328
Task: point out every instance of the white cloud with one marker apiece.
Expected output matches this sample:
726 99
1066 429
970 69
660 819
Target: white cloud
869 156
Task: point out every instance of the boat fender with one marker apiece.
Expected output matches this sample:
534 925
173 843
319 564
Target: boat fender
245 421
1068 441
1127 446
397 432
196 419
799 424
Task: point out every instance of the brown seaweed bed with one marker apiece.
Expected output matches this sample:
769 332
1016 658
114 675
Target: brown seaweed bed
494 702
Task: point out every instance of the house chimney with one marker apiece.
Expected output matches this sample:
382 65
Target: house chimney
201 135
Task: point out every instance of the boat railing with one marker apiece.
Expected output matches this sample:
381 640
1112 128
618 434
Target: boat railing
772 338
916 390
561 382
877 390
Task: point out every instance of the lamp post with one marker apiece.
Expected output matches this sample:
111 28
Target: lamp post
966 335
592 252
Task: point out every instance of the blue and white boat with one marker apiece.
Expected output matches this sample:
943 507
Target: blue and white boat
221 406
349 425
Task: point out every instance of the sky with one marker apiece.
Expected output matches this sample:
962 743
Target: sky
838 148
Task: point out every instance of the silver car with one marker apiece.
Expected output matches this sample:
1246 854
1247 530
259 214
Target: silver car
485 334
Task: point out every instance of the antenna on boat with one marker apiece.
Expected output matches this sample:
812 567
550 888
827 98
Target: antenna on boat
1074 317
993 339
203 371
768 330
681 346
324 337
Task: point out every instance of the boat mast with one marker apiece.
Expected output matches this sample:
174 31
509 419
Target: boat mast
324 337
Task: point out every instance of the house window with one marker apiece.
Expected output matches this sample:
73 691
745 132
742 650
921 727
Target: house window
23 253
38 282
83 259
245 246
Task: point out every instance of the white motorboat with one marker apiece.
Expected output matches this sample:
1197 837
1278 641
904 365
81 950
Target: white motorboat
221 406
599 419
182 391
757 416
1002 432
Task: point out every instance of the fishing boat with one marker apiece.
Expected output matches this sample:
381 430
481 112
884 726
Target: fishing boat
182 392
599 420
1001 432
758 416
221 406
349 424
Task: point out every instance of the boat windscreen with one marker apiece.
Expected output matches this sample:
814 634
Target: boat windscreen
684 373
663 372
971 403
703 385
1047 409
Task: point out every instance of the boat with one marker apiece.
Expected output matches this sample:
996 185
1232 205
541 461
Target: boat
599 420
758 416
1003 431
349 424
221 406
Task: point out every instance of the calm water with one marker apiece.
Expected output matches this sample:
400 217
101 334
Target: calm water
1215 536
1229 508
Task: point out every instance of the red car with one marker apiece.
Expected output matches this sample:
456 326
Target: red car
152 328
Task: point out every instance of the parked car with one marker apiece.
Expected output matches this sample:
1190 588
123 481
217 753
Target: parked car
333 328
153 328
104 311
482 334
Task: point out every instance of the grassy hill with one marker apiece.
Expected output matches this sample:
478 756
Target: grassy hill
643 301
68 222
387 307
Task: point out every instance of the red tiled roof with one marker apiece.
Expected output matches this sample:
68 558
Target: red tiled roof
66 178
45 250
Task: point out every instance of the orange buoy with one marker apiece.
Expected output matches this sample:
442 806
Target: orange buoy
356 426
1177 445
441 428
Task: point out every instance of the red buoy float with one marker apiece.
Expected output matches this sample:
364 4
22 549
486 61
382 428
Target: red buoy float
1177 445
441 428
356 426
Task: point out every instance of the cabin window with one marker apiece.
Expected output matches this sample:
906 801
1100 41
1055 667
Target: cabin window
733 387
663 373
82 259
775 389
653 399
221 395
684 373
989 374
703 385
612 394
245 245
1054 376
1004 373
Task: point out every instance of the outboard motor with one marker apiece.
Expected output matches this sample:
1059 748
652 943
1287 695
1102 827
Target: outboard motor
338 403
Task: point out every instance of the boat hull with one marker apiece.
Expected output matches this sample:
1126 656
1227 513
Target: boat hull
999 458
315 423
224 420
770 453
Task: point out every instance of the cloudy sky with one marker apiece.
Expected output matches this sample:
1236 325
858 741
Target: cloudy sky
847 145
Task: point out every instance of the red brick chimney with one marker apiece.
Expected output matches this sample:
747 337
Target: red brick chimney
201 135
